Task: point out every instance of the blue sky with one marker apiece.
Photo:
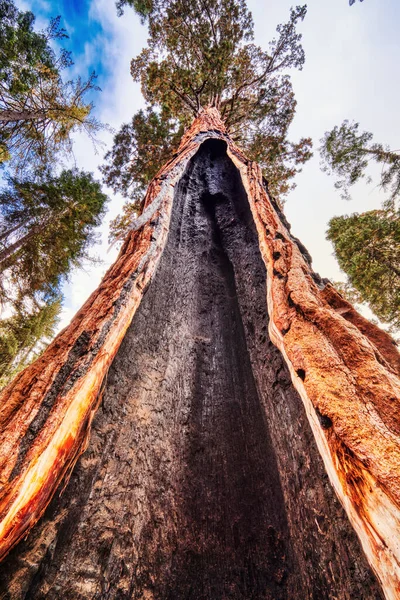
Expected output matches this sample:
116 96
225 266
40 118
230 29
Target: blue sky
351 71
82 27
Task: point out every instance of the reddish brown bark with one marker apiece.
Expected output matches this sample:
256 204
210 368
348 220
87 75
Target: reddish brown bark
345 370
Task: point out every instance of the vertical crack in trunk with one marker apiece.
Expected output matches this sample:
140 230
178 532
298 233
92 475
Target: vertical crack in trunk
345 369
202 480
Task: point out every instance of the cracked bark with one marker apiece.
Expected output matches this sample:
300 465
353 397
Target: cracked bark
202 478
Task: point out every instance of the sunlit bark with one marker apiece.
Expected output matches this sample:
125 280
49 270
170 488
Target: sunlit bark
345 370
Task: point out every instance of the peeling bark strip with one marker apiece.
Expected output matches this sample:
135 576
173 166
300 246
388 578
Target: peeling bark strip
347 373
202 478
345 369
45 413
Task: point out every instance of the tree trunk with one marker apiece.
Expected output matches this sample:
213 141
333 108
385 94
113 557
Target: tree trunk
7 232
15 246
11 116
202 479
8 251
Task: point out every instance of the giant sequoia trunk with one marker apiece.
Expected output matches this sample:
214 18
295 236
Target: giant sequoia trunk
203 477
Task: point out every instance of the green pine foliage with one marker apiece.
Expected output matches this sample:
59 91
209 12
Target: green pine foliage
25 335
346 153
140 148
367 247
46 228
47 221
38 110
201 53
23 49
142 7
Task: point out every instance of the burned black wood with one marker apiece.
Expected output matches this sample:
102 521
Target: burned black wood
202 480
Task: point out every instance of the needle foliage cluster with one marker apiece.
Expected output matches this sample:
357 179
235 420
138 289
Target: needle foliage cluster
202 53
367 245
48 216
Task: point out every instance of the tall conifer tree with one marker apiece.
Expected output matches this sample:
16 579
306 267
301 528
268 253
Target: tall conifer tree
201 53
38 110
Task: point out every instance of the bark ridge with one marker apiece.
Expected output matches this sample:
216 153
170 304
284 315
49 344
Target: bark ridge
201 443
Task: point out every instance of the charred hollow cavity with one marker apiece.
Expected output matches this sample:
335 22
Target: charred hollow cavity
202 480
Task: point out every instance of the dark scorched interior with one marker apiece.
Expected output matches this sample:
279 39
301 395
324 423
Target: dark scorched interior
202 480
